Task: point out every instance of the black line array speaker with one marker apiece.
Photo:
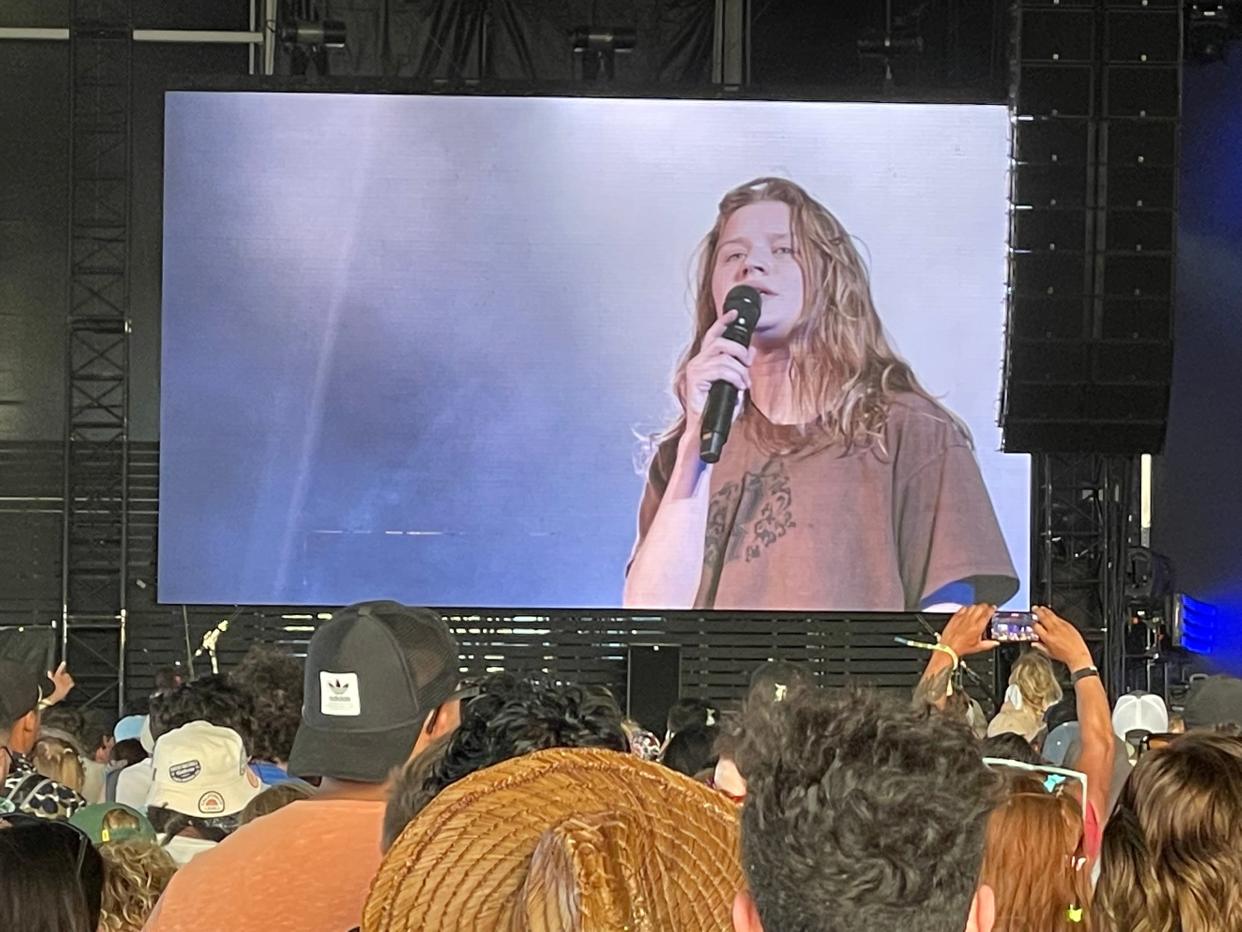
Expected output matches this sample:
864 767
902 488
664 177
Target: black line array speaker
1096 99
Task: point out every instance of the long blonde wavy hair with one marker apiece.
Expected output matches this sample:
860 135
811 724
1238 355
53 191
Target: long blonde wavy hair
1172 854
842 366
136 871
1032 673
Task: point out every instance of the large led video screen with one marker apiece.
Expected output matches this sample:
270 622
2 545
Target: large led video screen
459 351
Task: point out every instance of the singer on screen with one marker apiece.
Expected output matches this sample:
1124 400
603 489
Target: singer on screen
843 484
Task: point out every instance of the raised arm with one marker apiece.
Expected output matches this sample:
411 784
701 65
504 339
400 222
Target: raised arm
1061 641
965 634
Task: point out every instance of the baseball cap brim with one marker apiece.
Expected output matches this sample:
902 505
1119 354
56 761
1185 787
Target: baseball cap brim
367 757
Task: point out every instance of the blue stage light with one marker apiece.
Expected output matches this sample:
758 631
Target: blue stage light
1195 624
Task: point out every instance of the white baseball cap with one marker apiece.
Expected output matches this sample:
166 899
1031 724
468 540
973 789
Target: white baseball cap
1140 711
202 770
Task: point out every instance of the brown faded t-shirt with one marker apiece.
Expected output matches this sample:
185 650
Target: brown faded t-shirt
873 530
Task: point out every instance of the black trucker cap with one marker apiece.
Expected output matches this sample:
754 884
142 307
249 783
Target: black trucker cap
21 689
373 673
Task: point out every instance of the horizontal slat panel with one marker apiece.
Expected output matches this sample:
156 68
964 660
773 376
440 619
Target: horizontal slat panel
718 652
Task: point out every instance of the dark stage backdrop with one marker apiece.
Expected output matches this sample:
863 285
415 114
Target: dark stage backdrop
1198 504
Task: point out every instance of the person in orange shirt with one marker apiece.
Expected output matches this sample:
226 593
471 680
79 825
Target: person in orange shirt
381 682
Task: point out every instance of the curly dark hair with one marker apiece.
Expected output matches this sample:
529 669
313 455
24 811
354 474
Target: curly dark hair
861 813
690 712
508 718
211 699
273 680
1011 746
692 750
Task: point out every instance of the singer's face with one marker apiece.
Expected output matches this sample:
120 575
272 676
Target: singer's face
757 248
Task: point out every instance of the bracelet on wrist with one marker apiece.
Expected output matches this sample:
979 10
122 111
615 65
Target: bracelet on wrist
1083 673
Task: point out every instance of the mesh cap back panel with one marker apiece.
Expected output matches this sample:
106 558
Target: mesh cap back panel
430 650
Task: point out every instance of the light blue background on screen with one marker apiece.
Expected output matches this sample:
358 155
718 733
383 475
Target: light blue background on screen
408 341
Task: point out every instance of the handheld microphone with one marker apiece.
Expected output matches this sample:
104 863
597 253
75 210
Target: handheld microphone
722 398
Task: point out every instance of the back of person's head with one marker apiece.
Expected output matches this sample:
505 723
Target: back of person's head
136 872
509 717
380 682
1010 746
1137 714
690 712
273 680
68 724
691 750
861 813
21 690
961 706
1186 801
772 681
169 678
213 699
58 760
1036 680
108 822
51 878
273 798
1060 713
1030 861
1212 701
127 752
200 775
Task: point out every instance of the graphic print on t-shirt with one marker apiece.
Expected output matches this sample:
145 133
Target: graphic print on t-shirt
745 518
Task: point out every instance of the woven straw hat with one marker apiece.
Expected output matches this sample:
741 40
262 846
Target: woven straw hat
559 840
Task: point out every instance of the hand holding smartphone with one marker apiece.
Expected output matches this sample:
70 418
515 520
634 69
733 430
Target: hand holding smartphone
1014 627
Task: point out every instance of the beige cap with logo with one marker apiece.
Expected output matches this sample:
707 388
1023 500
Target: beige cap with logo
202 770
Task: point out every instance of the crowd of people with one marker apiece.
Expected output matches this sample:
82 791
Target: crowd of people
369 787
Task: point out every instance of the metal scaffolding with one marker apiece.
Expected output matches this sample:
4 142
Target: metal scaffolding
96 436
1085 520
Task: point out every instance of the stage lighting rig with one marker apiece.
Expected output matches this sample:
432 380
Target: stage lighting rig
901 38
305 35
1210 27
327 33
597 48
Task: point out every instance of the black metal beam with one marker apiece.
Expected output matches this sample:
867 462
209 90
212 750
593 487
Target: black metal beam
94 533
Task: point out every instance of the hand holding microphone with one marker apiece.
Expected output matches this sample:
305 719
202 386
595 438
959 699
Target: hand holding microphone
717 376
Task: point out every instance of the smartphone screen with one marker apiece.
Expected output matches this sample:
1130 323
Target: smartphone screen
1014 626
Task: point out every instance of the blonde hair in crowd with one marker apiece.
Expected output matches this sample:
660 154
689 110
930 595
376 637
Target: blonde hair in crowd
136 871
58 760
1030 860
843 367
1032 673
1172 854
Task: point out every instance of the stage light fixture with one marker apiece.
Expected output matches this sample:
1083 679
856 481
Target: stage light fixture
1209 29
902 37
598 46
326 33
1194 625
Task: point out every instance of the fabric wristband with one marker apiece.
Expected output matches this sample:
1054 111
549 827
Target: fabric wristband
1079 675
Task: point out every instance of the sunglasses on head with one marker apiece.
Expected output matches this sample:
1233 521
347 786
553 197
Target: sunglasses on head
1054 779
